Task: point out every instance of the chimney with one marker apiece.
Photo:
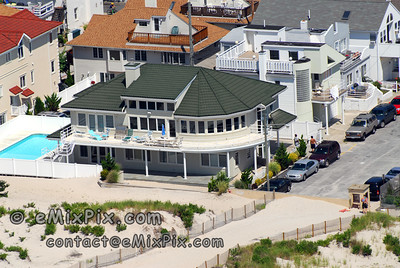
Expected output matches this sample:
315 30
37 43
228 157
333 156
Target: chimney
304 25
150 3
132 72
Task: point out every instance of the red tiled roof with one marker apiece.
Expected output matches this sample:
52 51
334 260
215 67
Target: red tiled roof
16 90
27 92
13 27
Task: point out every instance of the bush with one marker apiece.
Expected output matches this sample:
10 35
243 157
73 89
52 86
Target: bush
377 84
164 231
3 211
109 163
282 157
222 187
307 247
86 230
3 186
356 249
186 213
258 182
121 227
246 178
274 167
239 185
98 230
293 157
212 185
366 250
103 174
303 147
3 256
50 229
112 176
72 228
39 105
42 237
23 254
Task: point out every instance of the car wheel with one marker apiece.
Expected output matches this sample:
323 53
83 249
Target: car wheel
316 170
373 130
338 156
304 177
289 188
394 117
326 163
382 124
363 137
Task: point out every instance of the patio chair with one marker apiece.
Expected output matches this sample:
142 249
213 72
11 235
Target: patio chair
139 139
128 137
94 135
106 134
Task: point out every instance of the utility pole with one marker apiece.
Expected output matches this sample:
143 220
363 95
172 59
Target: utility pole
266 147
190 33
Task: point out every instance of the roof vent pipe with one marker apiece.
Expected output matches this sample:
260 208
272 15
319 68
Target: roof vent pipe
264 23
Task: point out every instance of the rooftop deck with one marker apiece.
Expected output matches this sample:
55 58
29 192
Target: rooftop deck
220 11
327 95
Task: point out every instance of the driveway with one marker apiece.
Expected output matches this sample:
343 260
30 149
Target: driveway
359 161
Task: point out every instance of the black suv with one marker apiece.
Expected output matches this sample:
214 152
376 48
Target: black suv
326 152
385 113
375 184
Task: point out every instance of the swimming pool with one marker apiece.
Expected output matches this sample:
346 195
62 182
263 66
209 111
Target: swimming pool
29 148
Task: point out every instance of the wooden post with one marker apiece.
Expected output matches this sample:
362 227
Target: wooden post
187 232
273 195
340 223
254 203
217 259
265 199
283 236
225 216
202 228
120 254
387 210
205 263
141 250
325 227
97 261
232 214
244 211
297 231
312 230
213 223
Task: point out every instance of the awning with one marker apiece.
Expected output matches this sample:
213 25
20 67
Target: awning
279 118
16 90
27 92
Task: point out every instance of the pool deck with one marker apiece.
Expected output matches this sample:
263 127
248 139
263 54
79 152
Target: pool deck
15 137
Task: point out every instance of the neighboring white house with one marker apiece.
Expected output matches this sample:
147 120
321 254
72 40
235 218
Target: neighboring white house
300 58
42 9
181 119
78 13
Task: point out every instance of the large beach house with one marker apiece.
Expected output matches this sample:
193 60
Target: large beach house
170 118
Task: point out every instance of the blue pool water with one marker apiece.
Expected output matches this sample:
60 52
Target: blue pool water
29 148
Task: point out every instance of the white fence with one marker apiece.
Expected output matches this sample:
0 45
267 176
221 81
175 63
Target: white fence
307 129
49 169
67 94
278 66
358 104
248 65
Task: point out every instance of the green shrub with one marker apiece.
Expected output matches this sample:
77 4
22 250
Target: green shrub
377 84
13 249
39 106
42 237
212 185
246 177
164 231
222 187
3 211
1 245
72 228
3 186
86 230
302 149
366 250
22 238
50 229
258 182
274 167
356 249
11 234
306 247
3 256
239 185
98 230
121 227
23 254
293 157
266 242
108 163
282 157
186 213
112 176
103 174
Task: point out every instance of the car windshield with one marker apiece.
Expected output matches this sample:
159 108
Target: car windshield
395 101
298 166
378 112
321 150
359 123
393 172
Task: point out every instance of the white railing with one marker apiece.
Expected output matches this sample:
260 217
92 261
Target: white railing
18 110
277 66
67 94
233 52
41 168
248 65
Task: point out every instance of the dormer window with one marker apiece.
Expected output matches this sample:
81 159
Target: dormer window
346 15
142 23
156 24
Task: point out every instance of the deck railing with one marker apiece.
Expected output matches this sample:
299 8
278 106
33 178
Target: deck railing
229 60
168 39
220 11
278 66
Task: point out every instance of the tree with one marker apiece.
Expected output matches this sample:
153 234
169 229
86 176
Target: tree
39 105
246 178
303 147
70 79
282 157
52 102
3 186
64 67
28 109
109 163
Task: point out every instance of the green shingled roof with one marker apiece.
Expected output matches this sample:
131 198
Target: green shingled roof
280 118
211 92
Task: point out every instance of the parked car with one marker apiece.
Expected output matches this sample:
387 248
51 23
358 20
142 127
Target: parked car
302 169
396 103
326 152
279 185
52 114
375 184
362 125
385 112
392 173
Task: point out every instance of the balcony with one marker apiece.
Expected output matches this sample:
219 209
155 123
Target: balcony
168 39
237 59
18 110
327 95
220 11
279 67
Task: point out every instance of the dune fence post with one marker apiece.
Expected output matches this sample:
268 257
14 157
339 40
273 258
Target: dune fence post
325 227
340 224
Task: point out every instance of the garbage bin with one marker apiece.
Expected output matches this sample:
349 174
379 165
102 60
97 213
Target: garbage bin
356 193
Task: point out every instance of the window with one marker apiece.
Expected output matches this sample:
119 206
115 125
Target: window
182 58
205 161
228 123
163 157
128 154
170 57
140 55
115 55
192 127
8 57
349 79
274 54
220 125
236 122
100 122
142 105
124 54
133 124
32 77
100 50
151 105
236 157
363 70
152 124
132 104
3 118
171 157
143 123
277 82
243 119
83 151
214 160
156 24
22 82
170 107
346 15
30 47
109 121
20 50
210 126
183 126
160 106
201 127
222 160
50 38
97 53
76 13
294 55
142 23
176 58
160 123
81 120
52 66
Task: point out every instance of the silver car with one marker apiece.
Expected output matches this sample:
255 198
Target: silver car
302 169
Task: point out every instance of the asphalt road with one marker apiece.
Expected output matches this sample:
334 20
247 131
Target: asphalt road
359 161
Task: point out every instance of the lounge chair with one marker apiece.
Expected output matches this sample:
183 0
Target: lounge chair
128 137
94 135
106 134
139 139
